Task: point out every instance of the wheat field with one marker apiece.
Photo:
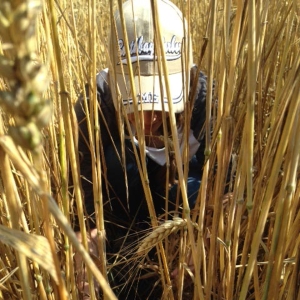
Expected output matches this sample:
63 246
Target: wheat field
244 244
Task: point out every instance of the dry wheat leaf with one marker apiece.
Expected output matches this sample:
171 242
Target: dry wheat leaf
33 246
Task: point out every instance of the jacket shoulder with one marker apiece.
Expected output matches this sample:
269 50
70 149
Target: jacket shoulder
107 114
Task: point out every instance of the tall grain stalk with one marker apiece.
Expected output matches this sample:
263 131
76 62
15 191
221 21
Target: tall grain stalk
217 208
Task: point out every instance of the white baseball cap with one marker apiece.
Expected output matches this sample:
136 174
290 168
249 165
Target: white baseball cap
143 57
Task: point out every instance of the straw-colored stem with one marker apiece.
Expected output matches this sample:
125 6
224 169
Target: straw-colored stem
267 197
37 160
251 84
233 59
282 27
291 283
217 207
282 219
182 257
238 198
229 92
95 138
67 112
14 210
62 169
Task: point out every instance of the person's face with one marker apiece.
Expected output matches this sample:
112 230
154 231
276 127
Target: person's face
152 121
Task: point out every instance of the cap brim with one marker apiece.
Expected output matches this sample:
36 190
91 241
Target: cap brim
149 95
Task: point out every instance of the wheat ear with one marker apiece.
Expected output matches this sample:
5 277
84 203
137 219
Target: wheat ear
26 77
161 232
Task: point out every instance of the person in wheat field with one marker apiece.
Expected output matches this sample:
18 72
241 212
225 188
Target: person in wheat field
125 207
